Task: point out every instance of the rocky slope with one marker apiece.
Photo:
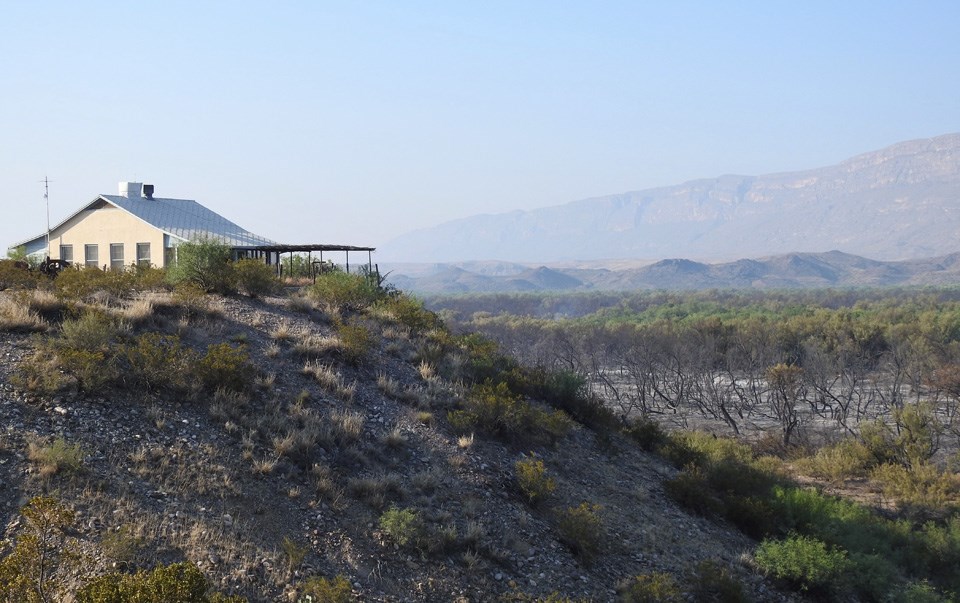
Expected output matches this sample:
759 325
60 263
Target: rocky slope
901 202
265 489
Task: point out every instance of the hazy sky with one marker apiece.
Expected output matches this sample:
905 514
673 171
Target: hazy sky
352 122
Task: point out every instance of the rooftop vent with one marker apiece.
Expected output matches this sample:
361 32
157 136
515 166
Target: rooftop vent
148 191
131 190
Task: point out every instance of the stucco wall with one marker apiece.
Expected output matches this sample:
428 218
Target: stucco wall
102 227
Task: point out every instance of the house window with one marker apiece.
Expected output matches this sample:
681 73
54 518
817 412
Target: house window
91 256
66 253
116 256
143 254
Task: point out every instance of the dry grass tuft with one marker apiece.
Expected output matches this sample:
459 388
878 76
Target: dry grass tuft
19 318
330 380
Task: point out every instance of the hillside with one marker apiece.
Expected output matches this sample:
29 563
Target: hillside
788 271
898 203
276 455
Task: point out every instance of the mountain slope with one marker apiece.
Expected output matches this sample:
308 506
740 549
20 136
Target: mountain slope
793 270
901 202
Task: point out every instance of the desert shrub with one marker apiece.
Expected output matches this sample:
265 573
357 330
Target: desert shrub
403 526
848 458
691 490
44 553
803 562
710 582
647 433
355 341
581 529
92 370
56 457
656 587
15 276
40 372
343 291
147 278
921 488
254 278
318 589
156 361
224 366
78 283
92 331
872 577
175 583
204 263
495 410
533 481
919 592
408 311
569 392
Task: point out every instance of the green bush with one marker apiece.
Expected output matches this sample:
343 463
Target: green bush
403 526
533 481
849 458
156 361
348 292
804 562
710 582
14 276
495 410
175 583
44 552
656 587
327 590
691 490
356 341
410 312
581 529
206 264
254 278
647 433
921 488
92 331
225 367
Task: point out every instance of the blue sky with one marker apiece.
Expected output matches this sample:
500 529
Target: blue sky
353 122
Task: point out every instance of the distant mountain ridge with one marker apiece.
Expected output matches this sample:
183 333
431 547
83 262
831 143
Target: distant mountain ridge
789 271
898 203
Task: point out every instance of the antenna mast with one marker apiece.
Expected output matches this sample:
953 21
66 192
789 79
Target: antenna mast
46 199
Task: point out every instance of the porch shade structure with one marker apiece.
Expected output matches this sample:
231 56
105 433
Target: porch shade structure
268 251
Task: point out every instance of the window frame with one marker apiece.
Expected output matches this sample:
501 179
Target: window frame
143 259
95 261
116 260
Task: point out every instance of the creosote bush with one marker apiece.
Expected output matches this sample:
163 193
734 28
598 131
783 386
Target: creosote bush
804 562
254 278
533 481
495 410
175 583
345 292
581 529
206 264
403 526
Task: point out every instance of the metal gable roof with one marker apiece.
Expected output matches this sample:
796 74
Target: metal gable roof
187 220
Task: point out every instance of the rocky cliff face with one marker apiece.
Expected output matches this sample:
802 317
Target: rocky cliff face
898 203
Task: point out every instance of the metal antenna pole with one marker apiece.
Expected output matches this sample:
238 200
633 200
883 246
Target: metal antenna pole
46 199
